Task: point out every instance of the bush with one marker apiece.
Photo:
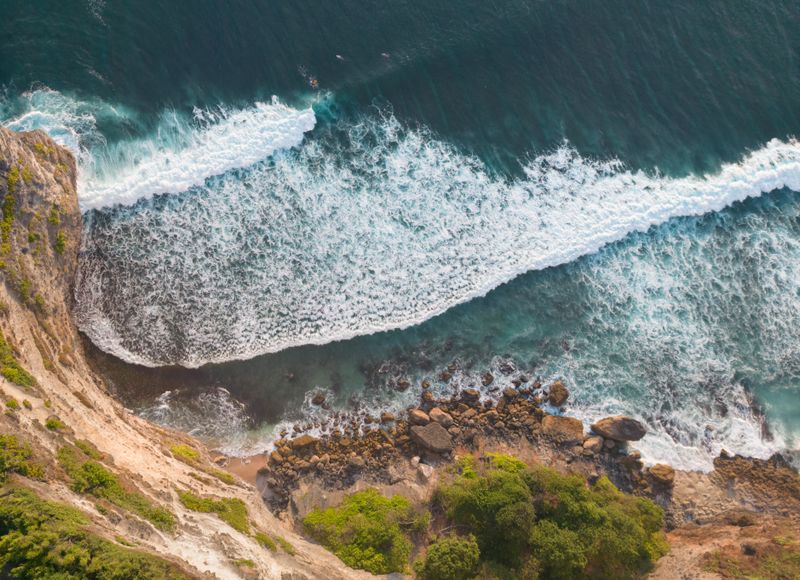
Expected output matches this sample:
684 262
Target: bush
10 368
368 531
54 424
537 521
93 478
266 541
15 457
229 509
43 539
452 558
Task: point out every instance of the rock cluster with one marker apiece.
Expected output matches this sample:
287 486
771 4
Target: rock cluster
433 429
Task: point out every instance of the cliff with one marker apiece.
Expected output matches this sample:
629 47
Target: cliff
140 489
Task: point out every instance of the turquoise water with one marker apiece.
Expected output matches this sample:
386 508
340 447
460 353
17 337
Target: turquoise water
539 185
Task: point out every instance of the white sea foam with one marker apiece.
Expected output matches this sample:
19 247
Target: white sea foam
226 140
381 233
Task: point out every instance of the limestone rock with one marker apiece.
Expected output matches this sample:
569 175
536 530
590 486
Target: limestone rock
432 437
563 429
620 428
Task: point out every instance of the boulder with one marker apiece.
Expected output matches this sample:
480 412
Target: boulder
593 444
620 428
558 394
662 474
441 417
470 395
303 442
563 429
432 437
387 417
487 379
418 417
318 399
510 393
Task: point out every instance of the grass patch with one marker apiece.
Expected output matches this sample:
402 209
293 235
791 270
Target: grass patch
368 531
229 509
54 216
244 562
11 369
61 242
535 520
88 449
266 541
92 478
55 424
285 545
779 559
15 457
191 456
44 539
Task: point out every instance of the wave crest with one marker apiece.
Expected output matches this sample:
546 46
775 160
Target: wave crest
375 229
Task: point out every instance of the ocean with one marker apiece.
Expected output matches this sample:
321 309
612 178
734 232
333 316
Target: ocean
350 197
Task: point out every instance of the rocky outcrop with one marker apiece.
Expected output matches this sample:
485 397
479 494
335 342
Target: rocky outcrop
432 437
64 402
558 394
620 428
563 429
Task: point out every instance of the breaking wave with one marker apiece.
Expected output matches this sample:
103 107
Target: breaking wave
367 227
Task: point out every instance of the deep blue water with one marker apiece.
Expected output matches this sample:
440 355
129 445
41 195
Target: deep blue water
418 156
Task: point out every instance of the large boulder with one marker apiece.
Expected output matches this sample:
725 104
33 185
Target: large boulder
620 428
432 437
303 442
558 394
662 474
563 429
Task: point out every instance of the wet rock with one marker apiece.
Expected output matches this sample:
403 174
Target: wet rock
620 428
426 384
609 444
432 437
403 384
427 397
303 442
662 474
387 417
593 444
470 396
558 394
563 429
510 394
418 417
441 417
469 414
445 376
318 399
487 379
276 457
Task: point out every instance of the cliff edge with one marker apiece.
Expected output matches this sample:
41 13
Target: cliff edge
141 491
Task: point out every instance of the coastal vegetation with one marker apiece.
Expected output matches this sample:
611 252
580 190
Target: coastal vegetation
501 519
191 456
369 531
230 510
45 539
11 370
92 478
17 457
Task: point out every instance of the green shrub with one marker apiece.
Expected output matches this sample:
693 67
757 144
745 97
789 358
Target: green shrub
191 456
229 509
43 539
266 541
285 545
15 457
452 558
368 531
11 369
54 217
92 478
185 453
12 404
532 521
61 242
54 424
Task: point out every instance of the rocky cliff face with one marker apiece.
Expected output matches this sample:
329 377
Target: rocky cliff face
159 491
